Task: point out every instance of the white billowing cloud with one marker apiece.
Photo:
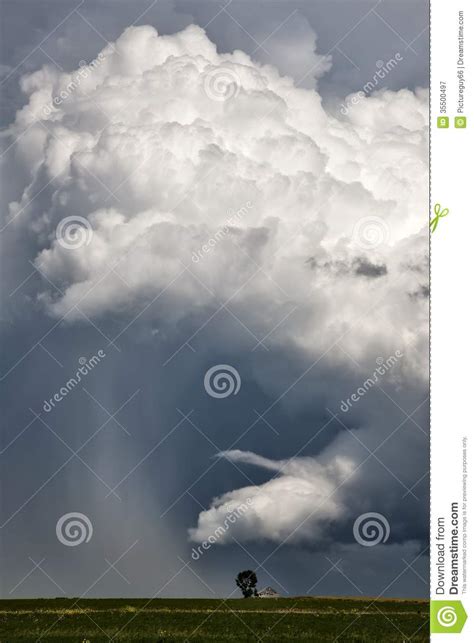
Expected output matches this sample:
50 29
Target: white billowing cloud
296 505
207 176
165 139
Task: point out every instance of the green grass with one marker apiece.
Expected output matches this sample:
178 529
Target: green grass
200 620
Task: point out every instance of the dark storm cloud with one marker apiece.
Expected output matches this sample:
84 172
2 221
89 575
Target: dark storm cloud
359 266
160 499
367 269
423 292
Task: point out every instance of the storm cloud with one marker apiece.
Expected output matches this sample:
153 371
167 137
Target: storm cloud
197 207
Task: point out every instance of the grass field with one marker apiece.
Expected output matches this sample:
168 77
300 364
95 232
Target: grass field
199 620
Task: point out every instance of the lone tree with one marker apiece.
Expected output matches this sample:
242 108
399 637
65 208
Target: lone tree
247 583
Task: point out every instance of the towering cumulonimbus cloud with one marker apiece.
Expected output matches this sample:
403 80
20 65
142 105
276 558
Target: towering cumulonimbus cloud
203 176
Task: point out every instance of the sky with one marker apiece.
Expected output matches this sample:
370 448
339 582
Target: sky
214 297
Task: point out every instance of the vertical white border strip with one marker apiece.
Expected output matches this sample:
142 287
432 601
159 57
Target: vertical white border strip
452 316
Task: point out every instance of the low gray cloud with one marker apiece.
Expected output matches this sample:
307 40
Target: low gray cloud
367 269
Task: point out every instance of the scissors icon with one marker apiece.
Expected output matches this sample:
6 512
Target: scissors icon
439 214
